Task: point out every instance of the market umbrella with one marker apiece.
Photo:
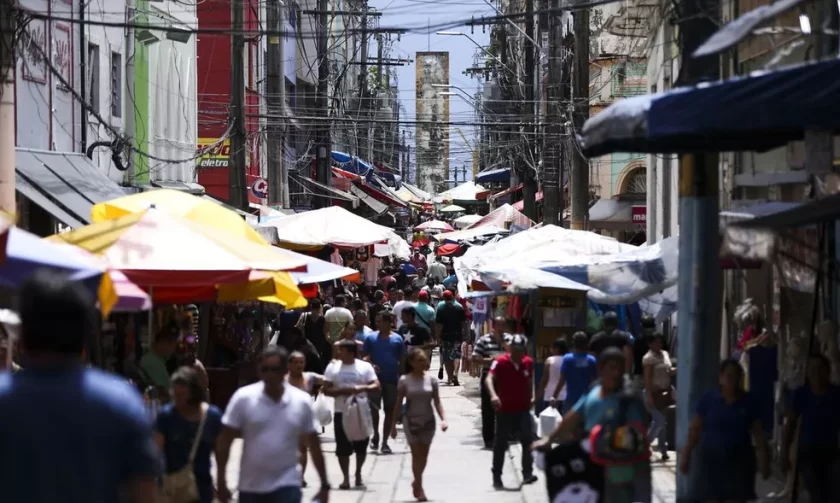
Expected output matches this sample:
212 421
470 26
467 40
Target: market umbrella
452 208
466 220
179 204
333 226
435 225
27 253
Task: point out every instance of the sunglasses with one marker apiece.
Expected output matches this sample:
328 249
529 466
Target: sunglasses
272 368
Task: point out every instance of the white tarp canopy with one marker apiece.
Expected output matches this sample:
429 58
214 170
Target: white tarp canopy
469 234
467 191
503 216
466 221
333 226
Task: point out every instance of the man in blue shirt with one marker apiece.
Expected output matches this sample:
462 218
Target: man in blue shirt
578 371
68 433
817 406
385 350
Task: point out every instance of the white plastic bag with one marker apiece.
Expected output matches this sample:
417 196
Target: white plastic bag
548 421
321 410
356 419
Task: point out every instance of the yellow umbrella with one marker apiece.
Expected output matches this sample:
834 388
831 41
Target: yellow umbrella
179 204
274 287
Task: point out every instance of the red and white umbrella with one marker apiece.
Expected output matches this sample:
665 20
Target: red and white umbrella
435 225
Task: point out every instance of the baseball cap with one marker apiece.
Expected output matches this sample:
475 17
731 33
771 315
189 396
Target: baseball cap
423 295
447 295
517 341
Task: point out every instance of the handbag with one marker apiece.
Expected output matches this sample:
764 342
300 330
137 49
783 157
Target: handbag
663 399
180 486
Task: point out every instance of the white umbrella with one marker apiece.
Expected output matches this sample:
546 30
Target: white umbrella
452 208
466 220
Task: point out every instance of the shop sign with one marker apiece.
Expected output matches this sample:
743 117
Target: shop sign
217 157
639 214
260 188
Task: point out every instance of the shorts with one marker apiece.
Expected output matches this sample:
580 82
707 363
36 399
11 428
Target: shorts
343 446
288 494
385 398
451 351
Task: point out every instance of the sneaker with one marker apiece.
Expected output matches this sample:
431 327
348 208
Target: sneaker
440 374
665 457
386 449
529 479
497 483
374 445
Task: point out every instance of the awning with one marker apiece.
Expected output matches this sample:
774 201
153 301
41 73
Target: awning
329 192
494 175
188 187
759 112
506 192
64 184
520 205
371 203
612 214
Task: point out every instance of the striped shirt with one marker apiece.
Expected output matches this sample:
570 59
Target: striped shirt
486 346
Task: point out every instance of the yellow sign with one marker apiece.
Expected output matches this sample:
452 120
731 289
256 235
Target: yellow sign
218 155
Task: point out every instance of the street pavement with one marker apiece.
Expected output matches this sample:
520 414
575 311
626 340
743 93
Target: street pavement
459 467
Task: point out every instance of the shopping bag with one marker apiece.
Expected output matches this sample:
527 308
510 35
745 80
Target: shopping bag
548 420
356 419
322 411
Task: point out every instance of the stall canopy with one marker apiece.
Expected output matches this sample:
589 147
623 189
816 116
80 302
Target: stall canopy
318 271
758 112
327 226
503 216
466 193
470 234
434 225
520 205
466 221
497 175
820 211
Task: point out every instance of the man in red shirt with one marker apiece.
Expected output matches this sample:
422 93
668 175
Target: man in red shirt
510 385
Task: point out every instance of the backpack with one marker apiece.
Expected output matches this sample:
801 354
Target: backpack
619 441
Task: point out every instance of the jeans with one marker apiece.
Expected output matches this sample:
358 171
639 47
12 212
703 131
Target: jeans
507 422
279 495
488 415
819 472
657 429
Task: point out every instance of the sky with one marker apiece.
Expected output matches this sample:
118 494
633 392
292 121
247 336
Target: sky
416 15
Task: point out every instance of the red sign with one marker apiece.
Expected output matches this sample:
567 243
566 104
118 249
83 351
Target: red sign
639 214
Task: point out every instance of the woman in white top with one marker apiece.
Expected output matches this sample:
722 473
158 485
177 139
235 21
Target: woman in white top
551 374
658 391
308 382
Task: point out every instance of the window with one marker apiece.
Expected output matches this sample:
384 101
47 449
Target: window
116 84
93 77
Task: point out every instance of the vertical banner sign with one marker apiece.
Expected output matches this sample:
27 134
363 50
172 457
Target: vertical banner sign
431 140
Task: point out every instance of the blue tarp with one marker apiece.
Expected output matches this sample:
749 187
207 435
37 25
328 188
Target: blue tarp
758 112
494 175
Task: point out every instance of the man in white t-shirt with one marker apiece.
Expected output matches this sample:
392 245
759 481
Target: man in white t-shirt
348 376
407 301
337 318
272 419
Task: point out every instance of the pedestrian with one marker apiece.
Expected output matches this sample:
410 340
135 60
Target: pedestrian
422 400
659 394
313 326
420 281
70 433
425 312
414 334
404 299
723 437
385 350
510 384
337 318
379 304
550 381
346 377
348 334
451 327
817 406
309 382
273 419
360 321
187 429
487 348
154 364
624 482
613 337
578 370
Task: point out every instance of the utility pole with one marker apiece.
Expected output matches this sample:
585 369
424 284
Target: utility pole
579 187
278 182
130 128
403 160
699 266
8 25
237 195
83 50
529 189
323 157
363 151
552 143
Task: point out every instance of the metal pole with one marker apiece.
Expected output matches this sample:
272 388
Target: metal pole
364 151
699 266
130 126
8 22
552 192
237 196
579 188
83 120
529 189
281 57
324 151
274 82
